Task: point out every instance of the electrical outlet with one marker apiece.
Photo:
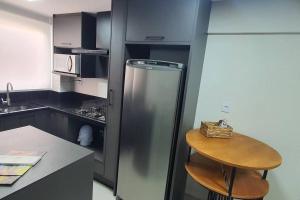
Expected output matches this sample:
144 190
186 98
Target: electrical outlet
225 108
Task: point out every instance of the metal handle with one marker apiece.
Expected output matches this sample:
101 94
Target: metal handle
66 43
110 97
157 38
70 63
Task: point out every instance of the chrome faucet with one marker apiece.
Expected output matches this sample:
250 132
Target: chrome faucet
9 87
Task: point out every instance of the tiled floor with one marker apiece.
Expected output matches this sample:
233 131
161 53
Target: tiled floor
101 192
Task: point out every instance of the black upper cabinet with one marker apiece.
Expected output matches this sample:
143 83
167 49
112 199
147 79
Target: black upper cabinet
161 21
76 30
103 31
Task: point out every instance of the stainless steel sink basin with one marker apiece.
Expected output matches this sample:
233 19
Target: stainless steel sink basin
14 109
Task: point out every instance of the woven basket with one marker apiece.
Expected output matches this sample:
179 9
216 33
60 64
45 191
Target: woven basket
212 129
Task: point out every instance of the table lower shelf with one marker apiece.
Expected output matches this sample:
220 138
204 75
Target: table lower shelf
248 184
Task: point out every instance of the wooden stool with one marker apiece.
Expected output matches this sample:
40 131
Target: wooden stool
229 168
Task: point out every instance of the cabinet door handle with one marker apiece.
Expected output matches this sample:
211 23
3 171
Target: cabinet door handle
66 43
110 97
153 38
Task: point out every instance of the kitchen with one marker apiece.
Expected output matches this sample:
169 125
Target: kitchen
65 69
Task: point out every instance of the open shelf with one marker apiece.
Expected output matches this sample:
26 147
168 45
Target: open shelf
248 184
93 63
98 136
97 144
98 153
172 53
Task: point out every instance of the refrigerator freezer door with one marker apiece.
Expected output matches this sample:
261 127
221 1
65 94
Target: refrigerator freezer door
149 115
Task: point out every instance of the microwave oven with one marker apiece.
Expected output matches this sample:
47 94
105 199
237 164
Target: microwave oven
66 64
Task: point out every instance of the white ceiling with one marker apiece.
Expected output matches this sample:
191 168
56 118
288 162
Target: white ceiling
50 7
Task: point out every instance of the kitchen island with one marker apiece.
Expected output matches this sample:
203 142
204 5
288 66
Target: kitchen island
65 172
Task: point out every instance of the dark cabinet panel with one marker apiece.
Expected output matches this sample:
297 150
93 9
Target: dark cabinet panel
17 121
103 31
9 122
76 30
161 21
42 120
26 119
62 125
115 89
67 30
58 124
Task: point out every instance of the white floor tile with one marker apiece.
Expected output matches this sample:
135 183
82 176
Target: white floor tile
101 192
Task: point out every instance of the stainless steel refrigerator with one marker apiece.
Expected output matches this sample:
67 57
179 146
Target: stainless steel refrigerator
151 105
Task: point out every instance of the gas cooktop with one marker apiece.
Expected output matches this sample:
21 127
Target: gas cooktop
93 110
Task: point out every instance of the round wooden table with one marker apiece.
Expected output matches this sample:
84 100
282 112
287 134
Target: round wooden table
228 168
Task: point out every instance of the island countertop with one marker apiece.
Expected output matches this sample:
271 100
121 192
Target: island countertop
59 166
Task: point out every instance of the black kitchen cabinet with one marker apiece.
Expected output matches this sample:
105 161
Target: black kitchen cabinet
10 122
161 21
58 124
103 31
76 30
17 120
26 119
63 126
52 122
42 120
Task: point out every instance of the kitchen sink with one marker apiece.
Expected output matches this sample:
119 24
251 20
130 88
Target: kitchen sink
11 109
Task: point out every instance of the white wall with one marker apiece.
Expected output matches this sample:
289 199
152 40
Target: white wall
258 76
90 86
95 87
255 16
24 52
26 56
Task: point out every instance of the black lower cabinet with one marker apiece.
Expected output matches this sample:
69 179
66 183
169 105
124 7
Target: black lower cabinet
43 120
52 122
17 120
9 122
63 126
26 119
59 125
97 145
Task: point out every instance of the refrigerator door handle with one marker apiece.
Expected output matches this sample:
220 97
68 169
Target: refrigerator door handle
110 97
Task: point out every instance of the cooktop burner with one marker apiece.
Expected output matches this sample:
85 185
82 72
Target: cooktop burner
94 111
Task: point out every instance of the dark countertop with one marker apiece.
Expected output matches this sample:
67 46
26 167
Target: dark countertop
65 107
66 103
60 154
